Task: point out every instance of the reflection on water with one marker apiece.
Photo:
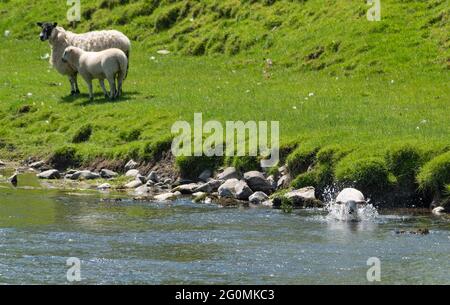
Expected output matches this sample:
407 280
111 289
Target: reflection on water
186 243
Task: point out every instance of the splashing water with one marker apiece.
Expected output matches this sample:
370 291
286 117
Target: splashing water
364 212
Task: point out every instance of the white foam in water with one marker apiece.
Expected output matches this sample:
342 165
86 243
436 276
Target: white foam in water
366 212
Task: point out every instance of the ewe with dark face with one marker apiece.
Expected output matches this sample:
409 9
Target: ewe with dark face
95 41
47 29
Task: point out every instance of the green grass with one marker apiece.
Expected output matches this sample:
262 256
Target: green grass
375 85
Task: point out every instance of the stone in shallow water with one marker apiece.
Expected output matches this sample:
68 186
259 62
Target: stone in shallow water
104 186
306 193
143 190
50 174
258 197
168 196
438 211
13 179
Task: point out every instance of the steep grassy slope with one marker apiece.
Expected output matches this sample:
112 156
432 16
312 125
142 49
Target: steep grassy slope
361 98
307 34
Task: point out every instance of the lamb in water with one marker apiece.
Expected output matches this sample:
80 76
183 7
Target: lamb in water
109 64
95 41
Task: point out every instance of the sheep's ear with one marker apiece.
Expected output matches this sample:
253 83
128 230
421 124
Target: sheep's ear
55 24
39 24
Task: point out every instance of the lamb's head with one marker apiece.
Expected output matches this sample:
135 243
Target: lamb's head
47 29
69 54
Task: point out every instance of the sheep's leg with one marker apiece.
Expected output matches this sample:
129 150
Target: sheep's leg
112 85
72 85
119 83
91 94
102 84
77 90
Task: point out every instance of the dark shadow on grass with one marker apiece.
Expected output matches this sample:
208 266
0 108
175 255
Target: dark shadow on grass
83 99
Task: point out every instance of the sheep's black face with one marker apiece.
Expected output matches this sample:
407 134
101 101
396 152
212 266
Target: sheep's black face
47 29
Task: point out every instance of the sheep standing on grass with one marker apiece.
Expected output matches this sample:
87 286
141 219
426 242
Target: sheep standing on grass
111 64
60 39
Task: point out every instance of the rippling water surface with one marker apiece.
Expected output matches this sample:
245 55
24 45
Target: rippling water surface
185 243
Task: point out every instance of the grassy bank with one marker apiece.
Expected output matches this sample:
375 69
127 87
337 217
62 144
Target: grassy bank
366 103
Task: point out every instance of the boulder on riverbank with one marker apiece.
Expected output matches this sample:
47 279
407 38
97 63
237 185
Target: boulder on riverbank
130 165
186 188
168 196
258 198
234 188
83 175
242 190
228 173
132 173
49 174
133 184
227 189
108 174
257 182
301 198
205 175
104 186
36 165
153 176
210 186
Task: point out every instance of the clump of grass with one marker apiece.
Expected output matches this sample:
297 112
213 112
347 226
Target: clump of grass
435 174
299 161
368 174
131 135
65 157
287 205
83 134
331 154
154 151
200 198
305 179
279 200
190 167
404 161
246 163
167 18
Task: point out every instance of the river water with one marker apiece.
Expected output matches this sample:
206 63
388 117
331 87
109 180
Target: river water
182 242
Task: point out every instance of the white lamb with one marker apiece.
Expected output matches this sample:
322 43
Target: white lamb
60 39
109 64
